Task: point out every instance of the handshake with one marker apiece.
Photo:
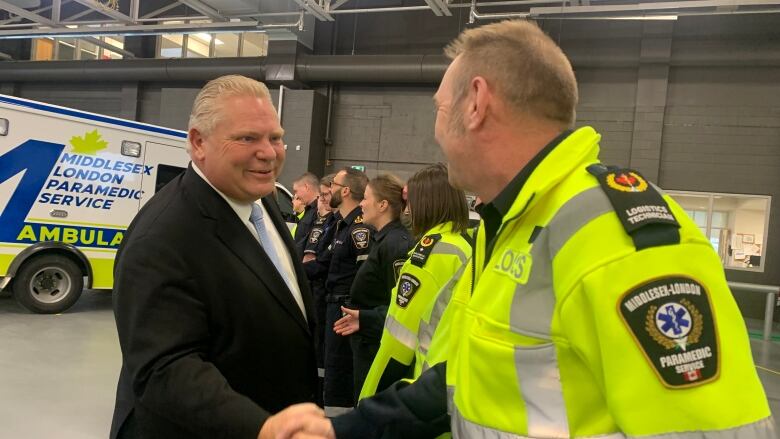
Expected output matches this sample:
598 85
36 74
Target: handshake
299 421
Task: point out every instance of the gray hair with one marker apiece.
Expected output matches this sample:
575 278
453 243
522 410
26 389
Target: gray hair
206 109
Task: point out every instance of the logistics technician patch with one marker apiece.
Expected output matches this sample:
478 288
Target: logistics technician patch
671 321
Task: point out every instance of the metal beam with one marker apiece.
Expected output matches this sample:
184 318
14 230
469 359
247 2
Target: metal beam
57 28
313 8
439 7
643 7
158 29
337 4
164 9
204 9
97 7
37 11
24 13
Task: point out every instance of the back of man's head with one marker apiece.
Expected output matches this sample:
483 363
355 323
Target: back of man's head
526 68
206 109
356 181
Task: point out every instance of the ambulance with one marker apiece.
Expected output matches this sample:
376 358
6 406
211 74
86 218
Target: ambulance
70 184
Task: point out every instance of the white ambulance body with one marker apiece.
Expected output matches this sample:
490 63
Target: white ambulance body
70 183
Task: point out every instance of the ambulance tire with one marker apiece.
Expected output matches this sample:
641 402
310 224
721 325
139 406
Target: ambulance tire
48 284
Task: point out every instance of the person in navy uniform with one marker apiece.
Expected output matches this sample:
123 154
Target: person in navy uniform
306 189
349 250
374 282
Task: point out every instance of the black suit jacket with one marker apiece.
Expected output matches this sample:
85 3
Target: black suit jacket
212 340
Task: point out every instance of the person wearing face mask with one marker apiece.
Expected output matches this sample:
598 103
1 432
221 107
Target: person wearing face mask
370 293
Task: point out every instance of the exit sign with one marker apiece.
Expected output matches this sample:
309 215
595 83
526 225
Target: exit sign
360 168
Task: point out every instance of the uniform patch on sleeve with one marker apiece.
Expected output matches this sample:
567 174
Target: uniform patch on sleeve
407 286
671 321
397 265
315 234
423 249
360 237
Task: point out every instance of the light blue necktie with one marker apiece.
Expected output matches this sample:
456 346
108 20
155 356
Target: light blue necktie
265 240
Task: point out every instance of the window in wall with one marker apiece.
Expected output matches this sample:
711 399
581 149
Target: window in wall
198 45
45 49
202 45
66 48
226 45
254 44
736 225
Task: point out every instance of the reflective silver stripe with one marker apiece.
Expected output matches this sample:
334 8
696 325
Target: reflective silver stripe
445 248
427 330
540 386
574 215
332 412
400 332
763 429
465 429
534 303
450 400
320 372
362 258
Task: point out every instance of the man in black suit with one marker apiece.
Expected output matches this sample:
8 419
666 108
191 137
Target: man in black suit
213 311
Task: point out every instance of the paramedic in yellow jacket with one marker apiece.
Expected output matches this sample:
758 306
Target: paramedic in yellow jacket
425 281
596 308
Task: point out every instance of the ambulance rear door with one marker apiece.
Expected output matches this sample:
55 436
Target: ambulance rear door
166 162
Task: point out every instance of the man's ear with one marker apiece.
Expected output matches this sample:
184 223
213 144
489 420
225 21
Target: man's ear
197 146
478 101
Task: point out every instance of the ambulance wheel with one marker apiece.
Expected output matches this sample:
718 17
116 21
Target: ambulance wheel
48 284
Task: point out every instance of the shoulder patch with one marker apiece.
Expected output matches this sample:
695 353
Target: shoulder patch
638 205
397 265
314 235
423 249
407 286
358 219
360 237
671 321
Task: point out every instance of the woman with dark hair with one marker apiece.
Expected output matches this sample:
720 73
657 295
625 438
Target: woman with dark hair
364 315
440 223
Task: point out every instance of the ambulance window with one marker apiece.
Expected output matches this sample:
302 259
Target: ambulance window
166 173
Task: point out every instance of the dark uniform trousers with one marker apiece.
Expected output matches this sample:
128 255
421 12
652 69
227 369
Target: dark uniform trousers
350 248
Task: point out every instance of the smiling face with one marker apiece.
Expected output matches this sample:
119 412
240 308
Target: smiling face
244 152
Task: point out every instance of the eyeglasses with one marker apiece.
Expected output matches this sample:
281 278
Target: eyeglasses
336 183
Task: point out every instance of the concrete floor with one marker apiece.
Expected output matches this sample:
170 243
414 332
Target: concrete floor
58 372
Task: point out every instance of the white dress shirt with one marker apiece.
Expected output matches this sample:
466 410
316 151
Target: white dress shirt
244 210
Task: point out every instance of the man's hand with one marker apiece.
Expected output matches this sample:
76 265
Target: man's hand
349 324
301 421
309 257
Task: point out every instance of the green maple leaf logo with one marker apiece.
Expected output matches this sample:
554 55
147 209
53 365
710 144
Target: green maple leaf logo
90 144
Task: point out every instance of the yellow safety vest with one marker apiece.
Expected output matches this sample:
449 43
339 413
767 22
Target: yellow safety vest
571 332
417 311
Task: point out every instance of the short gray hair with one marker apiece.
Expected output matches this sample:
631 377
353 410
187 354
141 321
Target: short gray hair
206 110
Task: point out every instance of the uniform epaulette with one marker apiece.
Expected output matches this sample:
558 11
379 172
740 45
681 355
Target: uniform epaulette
423 249
640 207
